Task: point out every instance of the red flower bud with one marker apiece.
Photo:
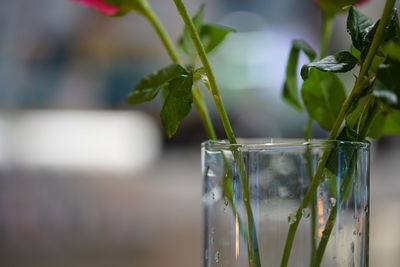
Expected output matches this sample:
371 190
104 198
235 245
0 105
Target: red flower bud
101 5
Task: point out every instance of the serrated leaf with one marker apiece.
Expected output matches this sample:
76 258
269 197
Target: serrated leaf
391 33
149 86
178 103
341 62
387 83
290 89
323 94
358 26
212 35
386 122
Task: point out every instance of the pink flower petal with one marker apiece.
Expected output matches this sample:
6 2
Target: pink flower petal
101 5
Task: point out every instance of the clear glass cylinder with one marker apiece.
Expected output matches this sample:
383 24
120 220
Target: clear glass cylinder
289 203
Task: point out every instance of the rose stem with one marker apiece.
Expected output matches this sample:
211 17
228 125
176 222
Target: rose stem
198 99
252 244
327 26
357 90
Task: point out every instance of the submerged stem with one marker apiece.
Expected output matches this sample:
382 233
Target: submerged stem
358 89
252 243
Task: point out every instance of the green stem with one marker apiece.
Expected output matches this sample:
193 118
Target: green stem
308 129
327 26
330 224
306 199
201 107
252 244
358 89
378 37
207 66
148 12
313 226
151 16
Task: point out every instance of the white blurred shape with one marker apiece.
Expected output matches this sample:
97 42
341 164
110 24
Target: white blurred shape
124 140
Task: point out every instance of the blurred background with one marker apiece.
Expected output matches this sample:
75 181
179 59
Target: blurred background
86 180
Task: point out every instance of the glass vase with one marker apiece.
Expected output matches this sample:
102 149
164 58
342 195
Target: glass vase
289 203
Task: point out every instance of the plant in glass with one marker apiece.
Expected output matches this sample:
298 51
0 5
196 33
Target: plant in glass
336 167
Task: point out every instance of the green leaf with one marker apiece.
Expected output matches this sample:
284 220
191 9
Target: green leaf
290 90
391 33
341 154
149 86
393 50
178 103
386 122
387 83
355 52
323 95
357 114
358 26
212 35
341 62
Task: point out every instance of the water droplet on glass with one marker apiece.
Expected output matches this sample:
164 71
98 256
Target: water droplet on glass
210 173
213 195
206 254
355 217
212 240
354 232
217 257
366 209
352 247
306 213
283 192
212 230
292 218
226 201
332 202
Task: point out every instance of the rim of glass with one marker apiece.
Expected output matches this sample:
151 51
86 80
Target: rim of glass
267 143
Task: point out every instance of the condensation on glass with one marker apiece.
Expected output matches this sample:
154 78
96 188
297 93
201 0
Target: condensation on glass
278 176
